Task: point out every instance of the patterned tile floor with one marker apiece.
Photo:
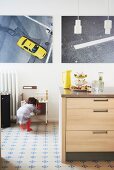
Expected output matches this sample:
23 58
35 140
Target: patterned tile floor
39 150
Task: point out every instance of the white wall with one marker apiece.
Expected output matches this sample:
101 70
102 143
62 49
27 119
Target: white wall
48 76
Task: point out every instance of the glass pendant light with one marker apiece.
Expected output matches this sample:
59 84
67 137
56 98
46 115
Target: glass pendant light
108 23
77 26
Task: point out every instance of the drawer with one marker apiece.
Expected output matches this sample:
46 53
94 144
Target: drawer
90 103
90 119
89 141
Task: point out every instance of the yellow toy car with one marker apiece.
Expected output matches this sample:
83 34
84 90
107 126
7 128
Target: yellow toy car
32 47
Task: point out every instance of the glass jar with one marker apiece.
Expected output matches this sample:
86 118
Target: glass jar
95 86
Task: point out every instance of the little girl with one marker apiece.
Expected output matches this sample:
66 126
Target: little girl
25 112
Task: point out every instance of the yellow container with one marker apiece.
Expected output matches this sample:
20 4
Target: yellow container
66 78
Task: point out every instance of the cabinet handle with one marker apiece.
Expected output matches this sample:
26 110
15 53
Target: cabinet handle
100 100
100 132
100 110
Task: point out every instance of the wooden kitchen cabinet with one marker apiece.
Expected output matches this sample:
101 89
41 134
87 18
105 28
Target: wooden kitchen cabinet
89 141
87 124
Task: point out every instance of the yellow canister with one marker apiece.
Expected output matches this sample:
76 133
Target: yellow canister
66 79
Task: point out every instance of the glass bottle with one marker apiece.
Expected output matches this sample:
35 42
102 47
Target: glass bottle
101 83
100 76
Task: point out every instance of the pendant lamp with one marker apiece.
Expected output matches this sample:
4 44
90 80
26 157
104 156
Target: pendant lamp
78 26
108 23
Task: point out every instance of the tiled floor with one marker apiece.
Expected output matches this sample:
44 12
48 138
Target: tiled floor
39 150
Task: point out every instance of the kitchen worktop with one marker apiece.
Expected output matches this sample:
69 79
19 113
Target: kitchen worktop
108 92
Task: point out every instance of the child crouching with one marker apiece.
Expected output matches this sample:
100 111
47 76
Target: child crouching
25 112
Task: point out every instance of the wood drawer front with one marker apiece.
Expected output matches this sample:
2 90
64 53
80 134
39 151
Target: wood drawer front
90 119
89 141
90 103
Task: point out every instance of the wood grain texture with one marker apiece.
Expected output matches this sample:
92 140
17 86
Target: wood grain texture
88 141
87 119
90 103
63 129
88 122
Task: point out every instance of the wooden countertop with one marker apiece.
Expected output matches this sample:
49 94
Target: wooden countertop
108 92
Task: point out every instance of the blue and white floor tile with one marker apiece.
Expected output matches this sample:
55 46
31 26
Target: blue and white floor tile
39 150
